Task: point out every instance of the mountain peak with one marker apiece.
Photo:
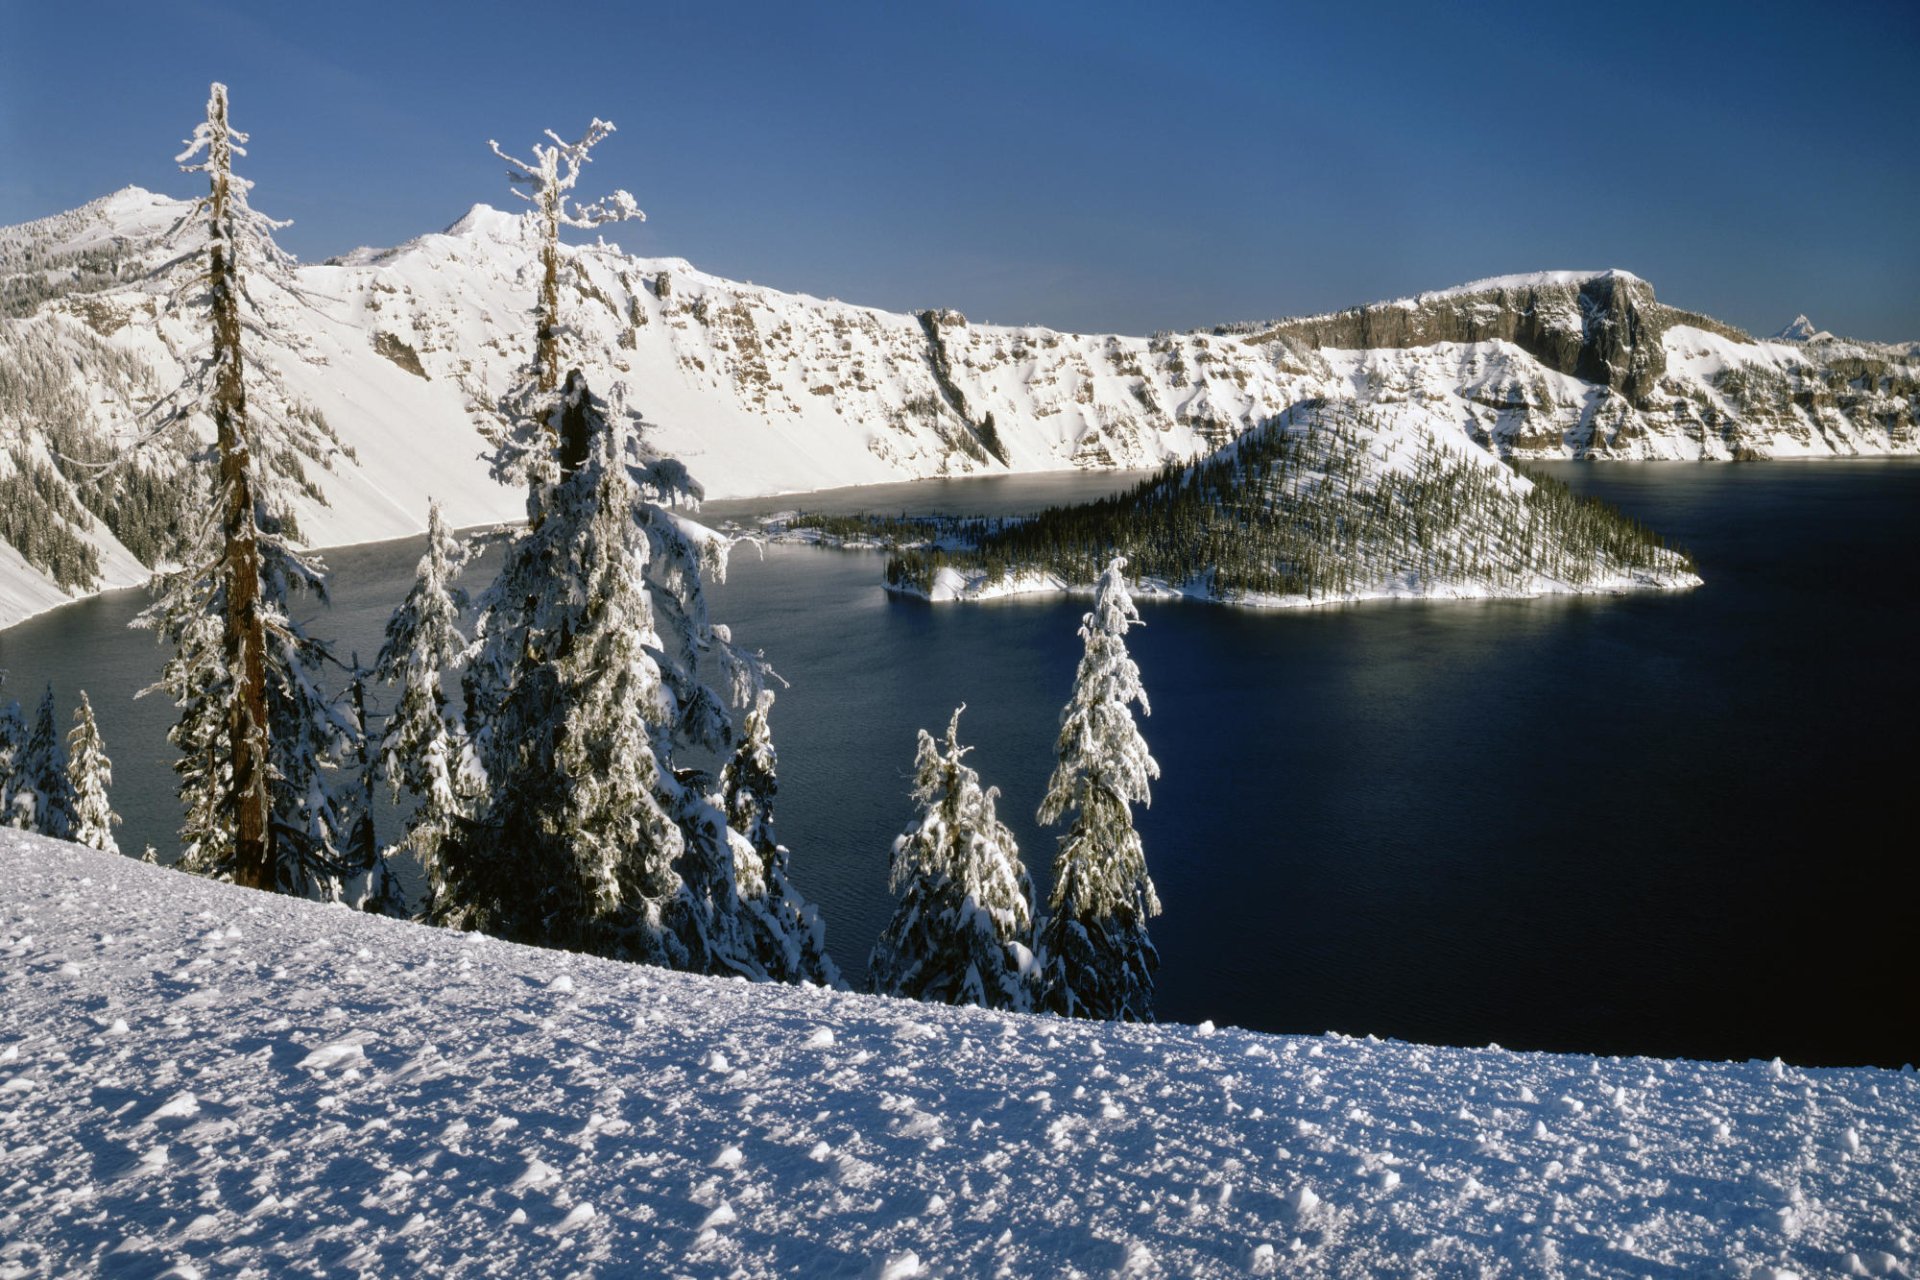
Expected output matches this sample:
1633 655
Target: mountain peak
1801 330
486 222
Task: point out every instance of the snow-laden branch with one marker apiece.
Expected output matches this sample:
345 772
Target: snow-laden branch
555 170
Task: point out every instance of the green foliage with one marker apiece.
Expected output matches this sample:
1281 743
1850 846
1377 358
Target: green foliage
892 531
38 516
35 273
1308 507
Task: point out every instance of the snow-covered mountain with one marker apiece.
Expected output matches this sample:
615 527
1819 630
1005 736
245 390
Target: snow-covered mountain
197 1079
389 361
1801 329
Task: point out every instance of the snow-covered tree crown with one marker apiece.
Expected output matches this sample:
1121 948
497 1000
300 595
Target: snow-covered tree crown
1099 745
1096 960
216 137
213 145
529 448
555 170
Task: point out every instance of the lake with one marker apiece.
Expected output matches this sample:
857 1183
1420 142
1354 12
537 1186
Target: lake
1675 824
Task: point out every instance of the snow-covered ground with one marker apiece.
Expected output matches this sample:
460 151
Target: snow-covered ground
201 1080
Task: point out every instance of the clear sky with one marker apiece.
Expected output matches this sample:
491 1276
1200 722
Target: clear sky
1112 166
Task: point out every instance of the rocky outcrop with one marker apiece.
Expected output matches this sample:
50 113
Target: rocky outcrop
1603 328
931 324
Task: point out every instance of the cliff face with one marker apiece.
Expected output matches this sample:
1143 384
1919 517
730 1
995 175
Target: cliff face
1567 364
1605 329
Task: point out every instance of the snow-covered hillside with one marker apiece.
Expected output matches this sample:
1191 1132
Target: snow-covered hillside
202 1080
390 361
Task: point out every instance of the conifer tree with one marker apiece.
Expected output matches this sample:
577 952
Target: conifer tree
43 798
92 774
1095 959
256 729
963 931
368 884
572 718
424 749
582 683
244 639
786 934
13 742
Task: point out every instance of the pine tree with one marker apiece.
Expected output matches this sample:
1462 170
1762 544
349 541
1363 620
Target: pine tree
582 683
571 718
964 927
367 884
43 798
424 749
256 730
92 774
244 640
1095 959
787 936
13 742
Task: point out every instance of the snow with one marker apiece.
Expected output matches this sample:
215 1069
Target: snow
762 392
1802 330
1525 280
1492 284
483 1122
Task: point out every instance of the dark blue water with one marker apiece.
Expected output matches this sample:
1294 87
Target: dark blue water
1670 824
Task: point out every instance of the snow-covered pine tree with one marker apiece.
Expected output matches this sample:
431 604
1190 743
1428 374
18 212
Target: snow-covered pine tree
256 730
787 936
369 885
244 640
583 679
538 446
92 774
578 840
13 741
1095 959
43 798
423 750
963 931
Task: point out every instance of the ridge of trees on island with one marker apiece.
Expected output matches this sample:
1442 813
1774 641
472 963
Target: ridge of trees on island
555 806
1294 509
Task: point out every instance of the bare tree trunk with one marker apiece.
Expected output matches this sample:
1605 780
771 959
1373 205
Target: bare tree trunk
245 645
547 331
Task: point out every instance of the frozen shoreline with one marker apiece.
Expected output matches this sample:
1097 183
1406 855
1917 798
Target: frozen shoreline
950 585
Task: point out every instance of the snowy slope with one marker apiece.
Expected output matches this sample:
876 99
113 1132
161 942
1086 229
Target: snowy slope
201 1080
398 356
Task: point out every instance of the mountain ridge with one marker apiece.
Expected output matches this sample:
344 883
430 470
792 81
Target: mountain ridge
401 354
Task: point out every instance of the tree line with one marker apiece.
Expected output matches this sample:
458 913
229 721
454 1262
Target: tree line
1294 508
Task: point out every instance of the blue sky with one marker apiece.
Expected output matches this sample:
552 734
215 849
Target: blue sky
1112 166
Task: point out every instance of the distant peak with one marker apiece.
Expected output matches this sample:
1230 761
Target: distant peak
1801 330
485 220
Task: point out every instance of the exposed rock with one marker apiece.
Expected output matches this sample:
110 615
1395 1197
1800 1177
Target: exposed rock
1604 329
401 353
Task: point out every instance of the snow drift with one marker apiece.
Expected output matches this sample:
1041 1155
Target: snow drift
212 1080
